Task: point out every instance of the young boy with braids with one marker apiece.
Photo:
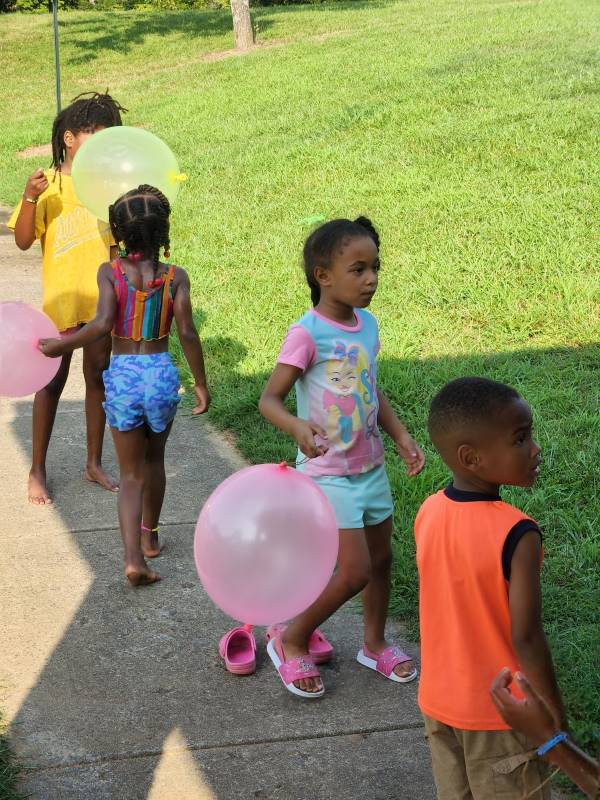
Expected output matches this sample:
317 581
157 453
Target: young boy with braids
139 297
73 243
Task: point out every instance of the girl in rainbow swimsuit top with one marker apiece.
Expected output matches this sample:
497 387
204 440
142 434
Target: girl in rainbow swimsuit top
139 297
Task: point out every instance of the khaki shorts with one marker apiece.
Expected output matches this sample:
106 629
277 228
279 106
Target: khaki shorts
484 765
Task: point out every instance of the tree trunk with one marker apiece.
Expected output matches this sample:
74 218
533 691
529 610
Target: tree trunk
242 24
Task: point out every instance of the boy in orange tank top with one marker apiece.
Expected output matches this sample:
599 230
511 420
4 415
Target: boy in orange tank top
479 600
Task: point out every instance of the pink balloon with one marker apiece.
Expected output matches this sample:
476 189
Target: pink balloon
266 544
23 369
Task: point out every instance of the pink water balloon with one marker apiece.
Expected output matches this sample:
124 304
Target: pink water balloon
266 544
23 368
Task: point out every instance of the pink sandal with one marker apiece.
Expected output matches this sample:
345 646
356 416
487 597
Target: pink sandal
319 649
238 649
385 662
295 669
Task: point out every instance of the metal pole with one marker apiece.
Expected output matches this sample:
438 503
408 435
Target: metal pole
56 60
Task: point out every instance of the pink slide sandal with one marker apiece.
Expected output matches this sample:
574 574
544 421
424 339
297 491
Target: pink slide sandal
294 669
238 649
319 649
385 662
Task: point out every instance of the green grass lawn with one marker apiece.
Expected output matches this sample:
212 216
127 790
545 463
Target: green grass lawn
467 130
8 769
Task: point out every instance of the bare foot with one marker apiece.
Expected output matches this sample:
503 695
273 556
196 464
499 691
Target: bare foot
37 492
151 546
141 575
297 651
403 670
94 473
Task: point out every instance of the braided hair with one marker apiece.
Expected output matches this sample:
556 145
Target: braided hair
140 219
88 112
320 246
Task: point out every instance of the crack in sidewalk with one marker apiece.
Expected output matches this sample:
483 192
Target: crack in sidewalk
101 528
115 758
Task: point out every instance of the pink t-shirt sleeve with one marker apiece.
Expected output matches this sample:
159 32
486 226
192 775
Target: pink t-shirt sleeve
298 348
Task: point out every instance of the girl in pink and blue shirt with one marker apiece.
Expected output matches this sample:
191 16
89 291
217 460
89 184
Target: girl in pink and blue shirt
330 356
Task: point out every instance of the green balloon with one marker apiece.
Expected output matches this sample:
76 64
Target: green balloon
115 160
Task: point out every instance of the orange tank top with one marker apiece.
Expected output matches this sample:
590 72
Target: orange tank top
461 539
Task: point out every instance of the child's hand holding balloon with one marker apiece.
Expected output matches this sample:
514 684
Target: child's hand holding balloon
53 348
304 433
23 368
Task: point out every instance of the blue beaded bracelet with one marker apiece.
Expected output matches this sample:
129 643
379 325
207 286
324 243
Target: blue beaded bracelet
543 749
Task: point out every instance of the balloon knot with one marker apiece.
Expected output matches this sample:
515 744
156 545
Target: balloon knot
283 465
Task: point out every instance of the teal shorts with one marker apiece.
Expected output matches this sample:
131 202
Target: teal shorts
358 500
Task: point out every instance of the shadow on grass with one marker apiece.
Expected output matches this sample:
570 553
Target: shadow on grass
322 7
563 389
89 36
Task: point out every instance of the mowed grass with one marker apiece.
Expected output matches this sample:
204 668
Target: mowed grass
467 130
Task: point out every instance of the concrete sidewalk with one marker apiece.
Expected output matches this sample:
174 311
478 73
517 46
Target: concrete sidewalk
112 692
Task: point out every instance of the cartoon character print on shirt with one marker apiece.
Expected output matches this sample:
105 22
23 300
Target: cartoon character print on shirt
350 400
369 396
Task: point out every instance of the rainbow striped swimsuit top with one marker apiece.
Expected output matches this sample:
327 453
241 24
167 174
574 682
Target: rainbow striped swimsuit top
142 315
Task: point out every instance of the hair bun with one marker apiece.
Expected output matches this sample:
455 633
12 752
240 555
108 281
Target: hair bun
366 223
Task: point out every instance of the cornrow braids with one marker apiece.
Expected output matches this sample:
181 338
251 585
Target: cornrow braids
140 219
87 112
322 242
